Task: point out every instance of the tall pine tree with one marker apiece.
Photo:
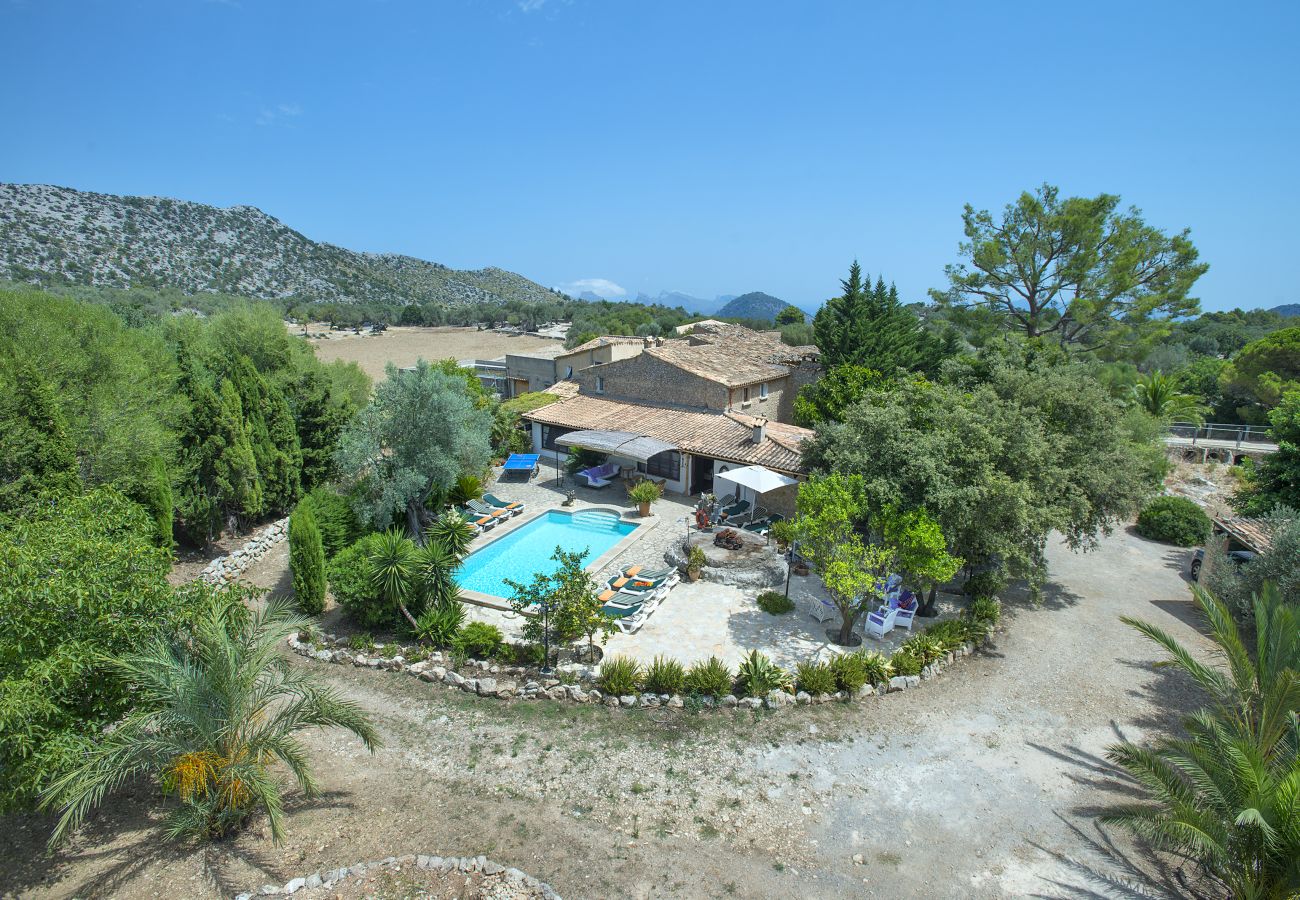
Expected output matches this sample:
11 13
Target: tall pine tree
868 326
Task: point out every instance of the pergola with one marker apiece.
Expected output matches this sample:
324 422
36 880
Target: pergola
623 444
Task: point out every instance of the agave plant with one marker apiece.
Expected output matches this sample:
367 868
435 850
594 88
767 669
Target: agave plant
452 532
214 710
392 567
1228 795
758 676
1158 394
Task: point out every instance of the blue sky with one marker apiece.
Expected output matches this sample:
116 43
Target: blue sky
708 147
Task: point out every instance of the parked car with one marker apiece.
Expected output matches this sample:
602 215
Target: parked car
1236 557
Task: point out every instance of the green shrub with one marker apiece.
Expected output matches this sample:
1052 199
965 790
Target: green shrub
620 675
924 648
362 641
758 676
815 678
1173 520
696 560
985 584
952 633
338 524
985 609
439 625
904 662
709 678
479 640
775 603
665 676
528 654
876 668
467 488
389 650
351 585
306 561
850 672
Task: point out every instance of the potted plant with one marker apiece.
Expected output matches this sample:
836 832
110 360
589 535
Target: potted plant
643 493
782 532
695 562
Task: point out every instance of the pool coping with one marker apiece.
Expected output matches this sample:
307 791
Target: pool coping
643 525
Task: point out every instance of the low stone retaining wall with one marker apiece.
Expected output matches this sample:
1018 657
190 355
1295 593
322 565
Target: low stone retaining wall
488 679
224 569
445 864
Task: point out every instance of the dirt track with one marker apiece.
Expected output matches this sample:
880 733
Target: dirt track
972 786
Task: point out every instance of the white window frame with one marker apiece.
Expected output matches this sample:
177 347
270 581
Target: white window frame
600 384
762 391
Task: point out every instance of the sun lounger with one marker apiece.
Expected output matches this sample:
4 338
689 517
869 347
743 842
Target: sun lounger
502 504
484 509
482 522
735 510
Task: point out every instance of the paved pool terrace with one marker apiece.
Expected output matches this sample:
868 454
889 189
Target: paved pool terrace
696 620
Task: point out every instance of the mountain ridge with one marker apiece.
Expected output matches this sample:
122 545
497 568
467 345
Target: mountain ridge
52 234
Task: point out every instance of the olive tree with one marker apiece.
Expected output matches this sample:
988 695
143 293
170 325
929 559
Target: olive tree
418 434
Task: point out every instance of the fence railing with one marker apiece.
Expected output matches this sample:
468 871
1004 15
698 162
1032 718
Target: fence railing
1234 434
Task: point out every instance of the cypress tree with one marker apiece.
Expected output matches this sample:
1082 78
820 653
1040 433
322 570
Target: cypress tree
307 560
271 433
157 498
868 326
37 455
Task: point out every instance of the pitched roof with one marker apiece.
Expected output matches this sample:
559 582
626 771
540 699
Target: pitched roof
726 436
731 354
1254 533
604 341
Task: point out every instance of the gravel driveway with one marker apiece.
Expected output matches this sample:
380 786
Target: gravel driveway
972 786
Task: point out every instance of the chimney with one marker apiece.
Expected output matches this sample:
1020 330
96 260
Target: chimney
760 429
648 342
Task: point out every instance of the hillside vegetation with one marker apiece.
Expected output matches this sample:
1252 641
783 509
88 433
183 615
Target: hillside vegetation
56 235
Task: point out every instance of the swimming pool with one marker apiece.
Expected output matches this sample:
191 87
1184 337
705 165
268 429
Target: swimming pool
528 549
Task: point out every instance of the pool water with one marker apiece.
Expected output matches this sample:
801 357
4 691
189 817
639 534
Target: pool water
528 549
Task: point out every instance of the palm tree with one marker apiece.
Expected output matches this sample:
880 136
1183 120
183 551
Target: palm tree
1228 795
1158 394
214 709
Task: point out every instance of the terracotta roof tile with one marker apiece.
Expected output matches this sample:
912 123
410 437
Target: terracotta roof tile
726 436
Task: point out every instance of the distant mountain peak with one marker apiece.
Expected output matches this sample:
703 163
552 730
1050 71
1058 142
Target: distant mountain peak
754 305
58 234
1287 309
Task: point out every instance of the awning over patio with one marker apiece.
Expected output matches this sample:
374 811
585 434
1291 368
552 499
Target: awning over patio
616 443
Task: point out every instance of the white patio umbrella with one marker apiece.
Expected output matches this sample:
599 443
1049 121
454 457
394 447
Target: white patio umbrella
758 479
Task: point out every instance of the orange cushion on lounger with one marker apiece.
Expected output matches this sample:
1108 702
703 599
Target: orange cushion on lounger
482 520
618 583
513 505
606 595
631 570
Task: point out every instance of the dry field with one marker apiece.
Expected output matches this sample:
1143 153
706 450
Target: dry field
404 345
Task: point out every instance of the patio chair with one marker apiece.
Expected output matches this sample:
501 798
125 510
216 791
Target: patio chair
483 509
905 608
821 610
881 622
502 504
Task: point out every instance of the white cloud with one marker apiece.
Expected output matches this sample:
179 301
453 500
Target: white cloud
281 111
601 287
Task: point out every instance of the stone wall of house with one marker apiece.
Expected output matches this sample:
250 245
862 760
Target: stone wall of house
770 406
800 375
652 380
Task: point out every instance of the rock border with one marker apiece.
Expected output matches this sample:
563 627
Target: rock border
429 863
578 685
225 569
